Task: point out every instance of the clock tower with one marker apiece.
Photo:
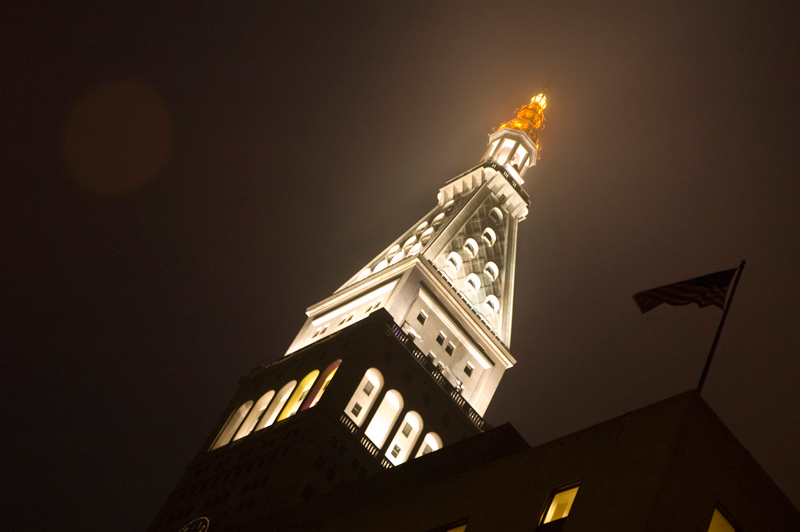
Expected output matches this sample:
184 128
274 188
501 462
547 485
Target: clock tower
401 360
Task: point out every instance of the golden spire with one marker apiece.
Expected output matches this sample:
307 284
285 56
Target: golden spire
529 119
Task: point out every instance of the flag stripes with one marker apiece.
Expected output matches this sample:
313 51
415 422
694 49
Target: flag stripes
705 291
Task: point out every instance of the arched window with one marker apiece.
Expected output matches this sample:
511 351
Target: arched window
415 249
363 274
471 247
368 390
255 413
405 438
426 235
454 261
496 215
491 270
408 243
447 206
397 257
431 442
394 250
230 427
473 283
420 228
275 406
493 305
437 221
385 417
381 265
300 393
489 236
321 385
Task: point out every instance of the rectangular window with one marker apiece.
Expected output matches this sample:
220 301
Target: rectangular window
431 356
406 430
368 387
468 369
440 339
320 331
449 349
719 523
396 450
421 317
560 505
356 409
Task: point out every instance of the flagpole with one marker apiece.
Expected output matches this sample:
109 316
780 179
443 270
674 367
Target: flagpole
719 329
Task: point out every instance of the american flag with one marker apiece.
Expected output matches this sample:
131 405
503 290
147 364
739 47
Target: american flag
707 290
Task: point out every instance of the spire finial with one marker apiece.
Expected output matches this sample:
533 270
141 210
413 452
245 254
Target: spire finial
530 117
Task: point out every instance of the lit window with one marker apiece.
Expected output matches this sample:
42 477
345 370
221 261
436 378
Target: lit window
473 283
415 249
410 242
405 438
300 392
394 250
254 415
367 391
719 523
374 306
440 339
276 405
397 257
471 247
381 265
468 369
560 505
520 156
230 427
437 221
421 317
489 236
420 228
449 349
493 305
316 392
426 235
505 150
431 442
385 417
454 261
491 270
496 215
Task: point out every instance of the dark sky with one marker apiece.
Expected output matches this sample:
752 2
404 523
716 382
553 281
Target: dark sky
285 145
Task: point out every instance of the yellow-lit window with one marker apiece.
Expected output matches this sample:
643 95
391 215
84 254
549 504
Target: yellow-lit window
719 523
560 505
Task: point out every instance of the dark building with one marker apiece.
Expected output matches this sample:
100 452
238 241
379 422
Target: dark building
373 418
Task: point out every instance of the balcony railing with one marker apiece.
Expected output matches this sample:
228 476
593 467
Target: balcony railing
437 376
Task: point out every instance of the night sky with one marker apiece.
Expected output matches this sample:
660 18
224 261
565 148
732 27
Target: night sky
179 183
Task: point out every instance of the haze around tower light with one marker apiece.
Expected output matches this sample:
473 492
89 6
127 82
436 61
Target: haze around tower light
305 136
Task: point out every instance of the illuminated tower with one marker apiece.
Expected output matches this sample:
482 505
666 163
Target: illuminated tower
408 354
